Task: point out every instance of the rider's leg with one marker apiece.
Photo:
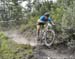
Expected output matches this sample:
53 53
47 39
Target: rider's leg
38 30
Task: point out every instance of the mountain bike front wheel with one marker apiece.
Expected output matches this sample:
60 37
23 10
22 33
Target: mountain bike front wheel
49 37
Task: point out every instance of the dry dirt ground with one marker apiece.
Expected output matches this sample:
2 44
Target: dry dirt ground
59 51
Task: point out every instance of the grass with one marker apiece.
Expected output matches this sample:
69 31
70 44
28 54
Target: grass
11 50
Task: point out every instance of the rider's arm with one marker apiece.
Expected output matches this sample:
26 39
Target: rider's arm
51 22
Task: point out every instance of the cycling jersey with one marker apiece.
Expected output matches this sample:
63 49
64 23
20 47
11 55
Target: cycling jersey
42 18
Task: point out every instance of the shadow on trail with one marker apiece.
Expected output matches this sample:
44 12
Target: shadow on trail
59 51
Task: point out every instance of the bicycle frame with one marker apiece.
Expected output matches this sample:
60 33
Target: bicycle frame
43 33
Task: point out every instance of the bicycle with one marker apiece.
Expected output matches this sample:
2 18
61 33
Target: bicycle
47 35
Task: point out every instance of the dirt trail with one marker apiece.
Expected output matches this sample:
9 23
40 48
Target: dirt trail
40 53
18 38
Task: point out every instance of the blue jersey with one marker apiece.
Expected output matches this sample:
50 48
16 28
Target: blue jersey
42 18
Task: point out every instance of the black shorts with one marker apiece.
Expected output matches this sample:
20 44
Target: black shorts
40 23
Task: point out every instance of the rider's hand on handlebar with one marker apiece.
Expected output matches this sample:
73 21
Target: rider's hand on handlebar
53 24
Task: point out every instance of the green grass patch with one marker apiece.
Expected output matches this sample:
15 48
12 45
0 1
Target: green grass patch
11 50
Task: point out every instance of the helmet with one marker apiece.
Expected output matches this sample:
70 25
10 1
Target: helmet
46 14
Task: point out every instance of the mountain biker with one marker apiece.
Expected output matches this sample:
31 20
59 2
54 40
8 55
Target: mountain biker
42 21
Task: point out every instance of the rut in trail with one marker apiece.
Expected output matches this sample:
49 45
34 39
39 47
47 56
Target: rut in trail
19 39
